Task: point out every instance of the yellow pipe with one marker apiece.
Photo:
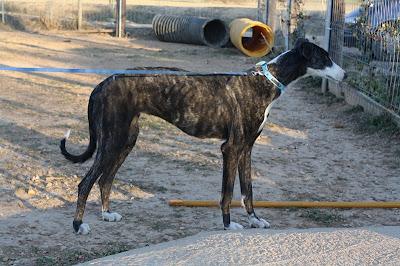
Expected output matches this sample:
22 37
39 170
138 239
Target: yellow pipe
259 44
291 204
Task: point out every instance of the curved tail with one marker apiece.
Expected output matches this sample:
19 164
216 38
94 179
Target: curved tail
78 158
92 142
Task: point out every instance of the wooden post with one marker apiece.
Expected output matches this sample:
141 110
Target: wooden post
79 14
123 24
271 14
121 18
263 9
3 13
327 38
289 12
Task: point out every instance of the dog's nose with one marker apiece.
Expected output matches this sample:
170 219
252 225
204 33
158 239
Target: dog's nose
345 75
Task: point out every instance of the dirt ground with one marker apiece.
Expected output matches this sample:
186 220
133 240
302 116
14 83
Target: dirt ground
314 147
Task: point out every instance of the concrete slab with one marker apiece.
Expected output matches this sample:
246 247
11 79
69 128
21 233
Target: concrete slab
321 246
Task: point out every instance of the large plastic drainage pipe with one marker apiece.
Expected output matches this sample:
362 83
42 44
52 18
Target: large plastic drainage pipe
253 38
192 30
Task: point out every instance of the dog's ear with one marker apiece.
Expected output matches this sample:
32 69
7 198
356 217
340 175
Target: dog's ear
300 41
306 50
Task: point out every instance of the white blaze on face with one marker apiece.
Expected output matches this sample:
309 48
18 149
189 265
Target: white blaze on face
334 72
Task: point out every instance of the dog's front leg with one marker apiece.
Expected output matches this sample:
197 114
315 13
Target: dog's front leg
246 189
230 161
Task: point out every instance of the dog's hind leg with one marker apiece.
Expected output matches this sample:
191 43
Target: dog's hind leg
116 139
84 188
106 180
247 190
230 164
108 159
102 166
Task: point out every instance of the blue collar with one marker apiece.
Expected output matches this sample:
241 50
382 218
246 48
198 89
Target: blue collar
270 77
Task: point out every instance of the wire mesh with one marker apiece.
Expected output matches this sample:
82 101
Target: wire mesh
24 14
337 31
64 13
299 19
315 13
364 39
371 50
364 33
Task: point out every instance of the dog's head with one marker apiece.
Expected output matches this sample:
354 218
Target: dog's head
317 61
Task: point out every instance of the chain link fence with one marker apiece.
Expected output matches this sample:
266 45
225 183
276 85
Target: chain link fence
364 34
364 38
293 19
25 14
64 14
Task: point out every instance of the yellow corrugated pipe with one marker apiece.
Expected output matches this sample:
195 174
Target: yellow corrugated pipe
291 204
261 41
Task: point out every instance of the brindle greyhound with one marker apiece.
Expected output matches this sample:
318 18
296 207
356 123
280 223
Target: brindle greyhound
230 108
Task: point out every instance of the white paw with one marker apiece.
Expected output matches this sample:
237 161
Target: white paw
258 222
111 216
234 226
84 229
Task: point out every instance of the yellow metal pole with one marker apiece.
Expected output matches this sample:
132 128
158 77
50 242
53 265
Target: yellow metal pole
291 204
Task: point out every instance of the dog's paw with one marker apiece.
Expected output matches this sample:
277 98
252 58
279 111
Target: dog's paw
84 229
256 222
233 226
111 216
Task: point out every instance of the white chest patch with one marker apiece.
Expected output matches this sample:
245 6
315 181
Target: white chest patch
266 116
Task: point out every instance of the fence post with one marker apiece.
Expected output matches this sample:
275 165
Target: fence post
121 18
270 14
79 14
259 7
289 11
327 38
3 13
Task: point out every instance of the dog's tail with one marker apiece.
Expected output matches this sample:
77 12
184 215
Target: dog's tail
92 142
77 158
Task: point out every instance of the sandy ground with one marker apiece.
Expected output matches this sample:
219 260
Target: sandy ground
313 148
364 246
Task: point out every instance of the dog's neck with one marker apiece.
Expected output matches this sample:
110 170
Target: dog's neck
287 67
